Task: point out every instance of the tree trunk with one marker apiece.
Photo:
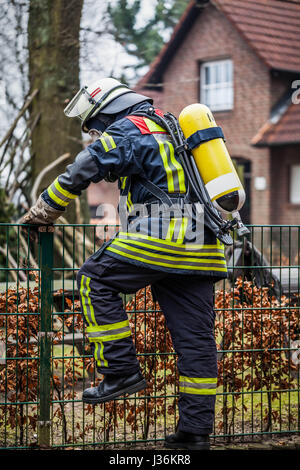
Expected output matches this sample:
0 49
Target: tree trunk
53 42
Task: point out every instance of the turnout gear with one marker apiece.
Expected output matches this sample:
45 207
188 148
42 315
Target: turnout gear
142 154
105 96
159 245
113 386
187 304
152 173
187 440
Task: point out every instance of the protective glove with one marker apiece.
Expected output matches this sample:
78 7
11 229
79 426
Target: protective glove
41 214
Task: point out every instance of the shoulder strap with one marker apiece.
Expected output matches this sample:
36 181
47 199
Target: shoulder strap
155 190
199 137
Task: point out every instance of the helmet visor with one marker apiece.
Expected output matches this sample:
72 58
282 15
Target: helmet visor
80 104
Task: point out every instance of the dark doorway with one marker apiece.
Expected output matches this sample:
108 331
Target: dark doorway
243 167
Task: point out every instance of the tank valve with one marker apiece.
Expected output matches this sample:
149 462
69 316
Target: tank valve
241 229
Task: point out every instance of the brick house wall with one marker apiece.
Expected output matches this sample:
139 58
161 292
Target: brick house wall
212 37
283 212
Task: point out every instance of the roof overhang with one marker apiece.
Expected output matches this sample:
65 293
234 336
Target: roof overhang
283 127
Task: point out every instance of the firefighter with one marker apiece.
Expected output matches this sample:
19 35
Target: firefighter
153 249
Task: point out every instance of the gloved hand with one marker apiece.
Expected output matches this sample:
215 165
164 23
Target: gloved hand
41 214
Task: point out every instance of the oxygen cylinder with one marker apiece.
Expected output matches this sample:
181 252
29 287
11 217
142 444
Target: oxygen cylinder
213 160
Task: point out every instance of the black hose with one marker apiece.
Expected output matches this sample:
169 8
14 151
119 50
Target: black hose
202 195
181 148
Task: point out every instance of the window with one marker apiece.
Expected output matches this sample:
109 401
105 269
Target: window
295 184
217 85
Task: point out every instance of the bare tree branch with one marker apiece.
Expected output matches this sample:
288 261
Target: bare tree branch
33 194
20 114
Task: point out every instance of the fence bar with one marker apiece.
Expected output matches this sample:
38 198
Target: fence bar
42 377
46 265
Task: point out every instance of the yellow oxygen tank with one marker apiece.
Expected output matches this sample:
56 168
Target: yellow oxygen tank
213 160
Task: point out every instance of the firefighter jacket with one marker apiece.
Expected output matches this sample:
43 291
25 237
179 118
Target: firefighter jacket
141 154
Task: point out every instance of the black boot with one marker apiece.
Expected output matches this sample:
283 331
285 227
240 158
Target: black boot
187 440
113 386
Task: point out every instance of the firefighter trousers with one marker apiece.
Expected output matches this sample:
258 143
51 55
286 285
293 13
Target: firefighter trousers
187 304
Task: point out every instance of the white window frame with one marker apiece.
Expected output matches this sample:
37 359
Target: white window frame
294 186
218 95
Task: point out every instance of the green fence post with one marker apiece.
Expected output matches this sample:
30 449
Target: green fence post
45 334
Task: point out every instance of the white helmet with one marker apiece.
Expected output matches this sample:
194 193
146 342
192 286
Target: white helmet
108 96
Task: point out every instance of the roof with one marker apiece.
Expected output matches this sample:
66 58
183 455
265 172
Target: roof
283 127
270 27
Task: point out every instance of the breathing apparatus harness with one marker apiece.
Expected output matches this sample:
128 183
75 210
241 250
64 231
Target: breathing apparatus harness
196 190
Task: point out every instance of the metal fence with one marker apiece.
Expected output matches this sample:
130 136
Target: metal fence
45 361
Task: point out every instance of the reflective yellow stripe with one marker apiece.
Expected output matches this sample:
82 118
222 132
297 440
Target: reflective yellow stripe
99 355
64 191
96 354
105 363
89 300
177 165
123 180
197 385
103 142
107 141
178 262
56 198
111 140
218 245
173 168
109 327
153 127
86 301
60 195
183 225
205 251
129 202
195 391
98 333
83 300
171 229
197 380
168 170
97 336
166 257
112 337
